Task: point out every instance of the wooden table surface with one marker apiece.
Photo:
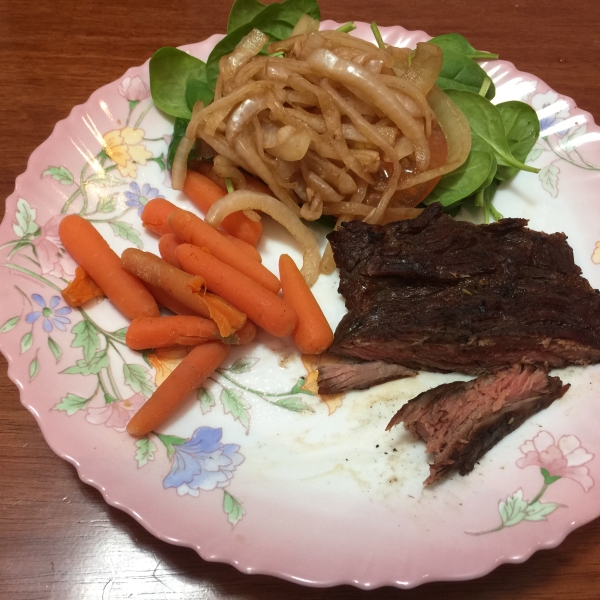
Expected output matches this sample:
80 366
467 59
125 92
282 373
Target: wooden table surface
58 538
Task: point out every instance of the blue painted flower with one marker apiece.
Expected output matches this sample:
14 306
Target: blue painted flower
53 317
202 463
139 198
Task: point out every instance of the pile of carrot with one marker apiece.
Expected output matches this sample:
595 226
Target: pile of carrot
213 281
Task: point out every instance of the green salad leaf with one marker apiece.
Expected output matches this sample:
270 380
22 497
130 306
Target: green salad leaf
458 43
171 71
242 12
459 72
276 20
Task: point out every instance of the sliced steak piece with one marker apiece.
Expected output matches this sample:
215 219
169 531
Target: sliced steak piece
439 294
461 421
339 378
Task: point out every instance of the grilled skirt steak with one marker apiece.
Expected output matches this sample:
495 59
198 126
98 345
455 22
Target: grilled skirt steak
461 421
339 378
444 295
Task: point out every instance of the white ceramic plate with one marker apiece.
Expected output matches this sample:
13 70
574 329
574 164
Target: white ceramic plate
257 471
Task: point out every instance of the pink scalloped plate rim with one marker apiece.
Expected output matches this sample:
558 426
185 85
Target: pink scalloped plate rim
336 503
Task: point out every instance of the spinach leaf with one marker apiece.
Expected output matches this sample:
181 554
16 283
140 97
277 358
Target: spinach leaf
465 180
170 71
484 199
197 90
522 128
276 20
459 72
178 133
458 43
487 128
242 12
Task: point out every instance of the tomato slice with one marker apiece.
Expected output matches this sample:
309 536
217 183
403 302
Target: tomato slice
438 148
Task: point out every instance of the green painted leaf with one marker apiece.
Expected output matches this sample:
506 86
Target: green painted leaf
169 441
293 404
103 179
126 232
83 367
522 128
121 333
458 43
298 385
34 368
537 511
10 324
276 20
145 451
548 479
138 379
170 71
459 72
233 508
535 153
549 177
71 404
86 337
26 342
487 128
25 217
242 364
242 12
109 399
61 174
232 403
206 399
106 204
55 348
465 180
513 511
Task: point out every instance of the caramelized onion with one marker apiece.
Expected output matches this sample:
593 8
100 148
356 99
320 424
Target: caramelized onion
244 199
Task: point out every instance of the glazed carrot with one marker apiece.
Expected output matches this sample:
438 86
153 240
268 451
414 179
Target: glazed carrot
94 255
159 332
245 247
166 246
166 300
244 335
185 288
81 290
155 213
313 334
185 378
193 230
262 306
204 193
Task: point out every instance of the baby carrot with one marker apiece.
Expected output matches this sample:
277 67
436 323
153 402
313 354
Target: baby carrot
244 335
262 306
99 261
185 378
193 230
245 247
313 334
166 246
185 288
155 213
166 300
81 290
159 332
204 193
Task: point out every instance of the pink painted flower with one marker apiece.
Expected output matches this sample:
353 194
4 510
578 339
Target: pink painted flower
564 458
116 414
53 258
133 89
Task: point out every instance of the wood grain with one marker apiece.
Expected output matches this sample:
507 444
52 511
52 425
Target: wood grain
58 538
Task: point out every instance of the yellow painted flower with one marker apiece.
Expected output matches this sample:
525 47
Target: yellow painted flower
124 148
311 363
164 361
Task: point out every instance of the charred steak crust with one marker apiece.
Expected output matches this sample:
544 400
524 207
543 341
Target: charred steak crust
461 421
339 378
439 294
